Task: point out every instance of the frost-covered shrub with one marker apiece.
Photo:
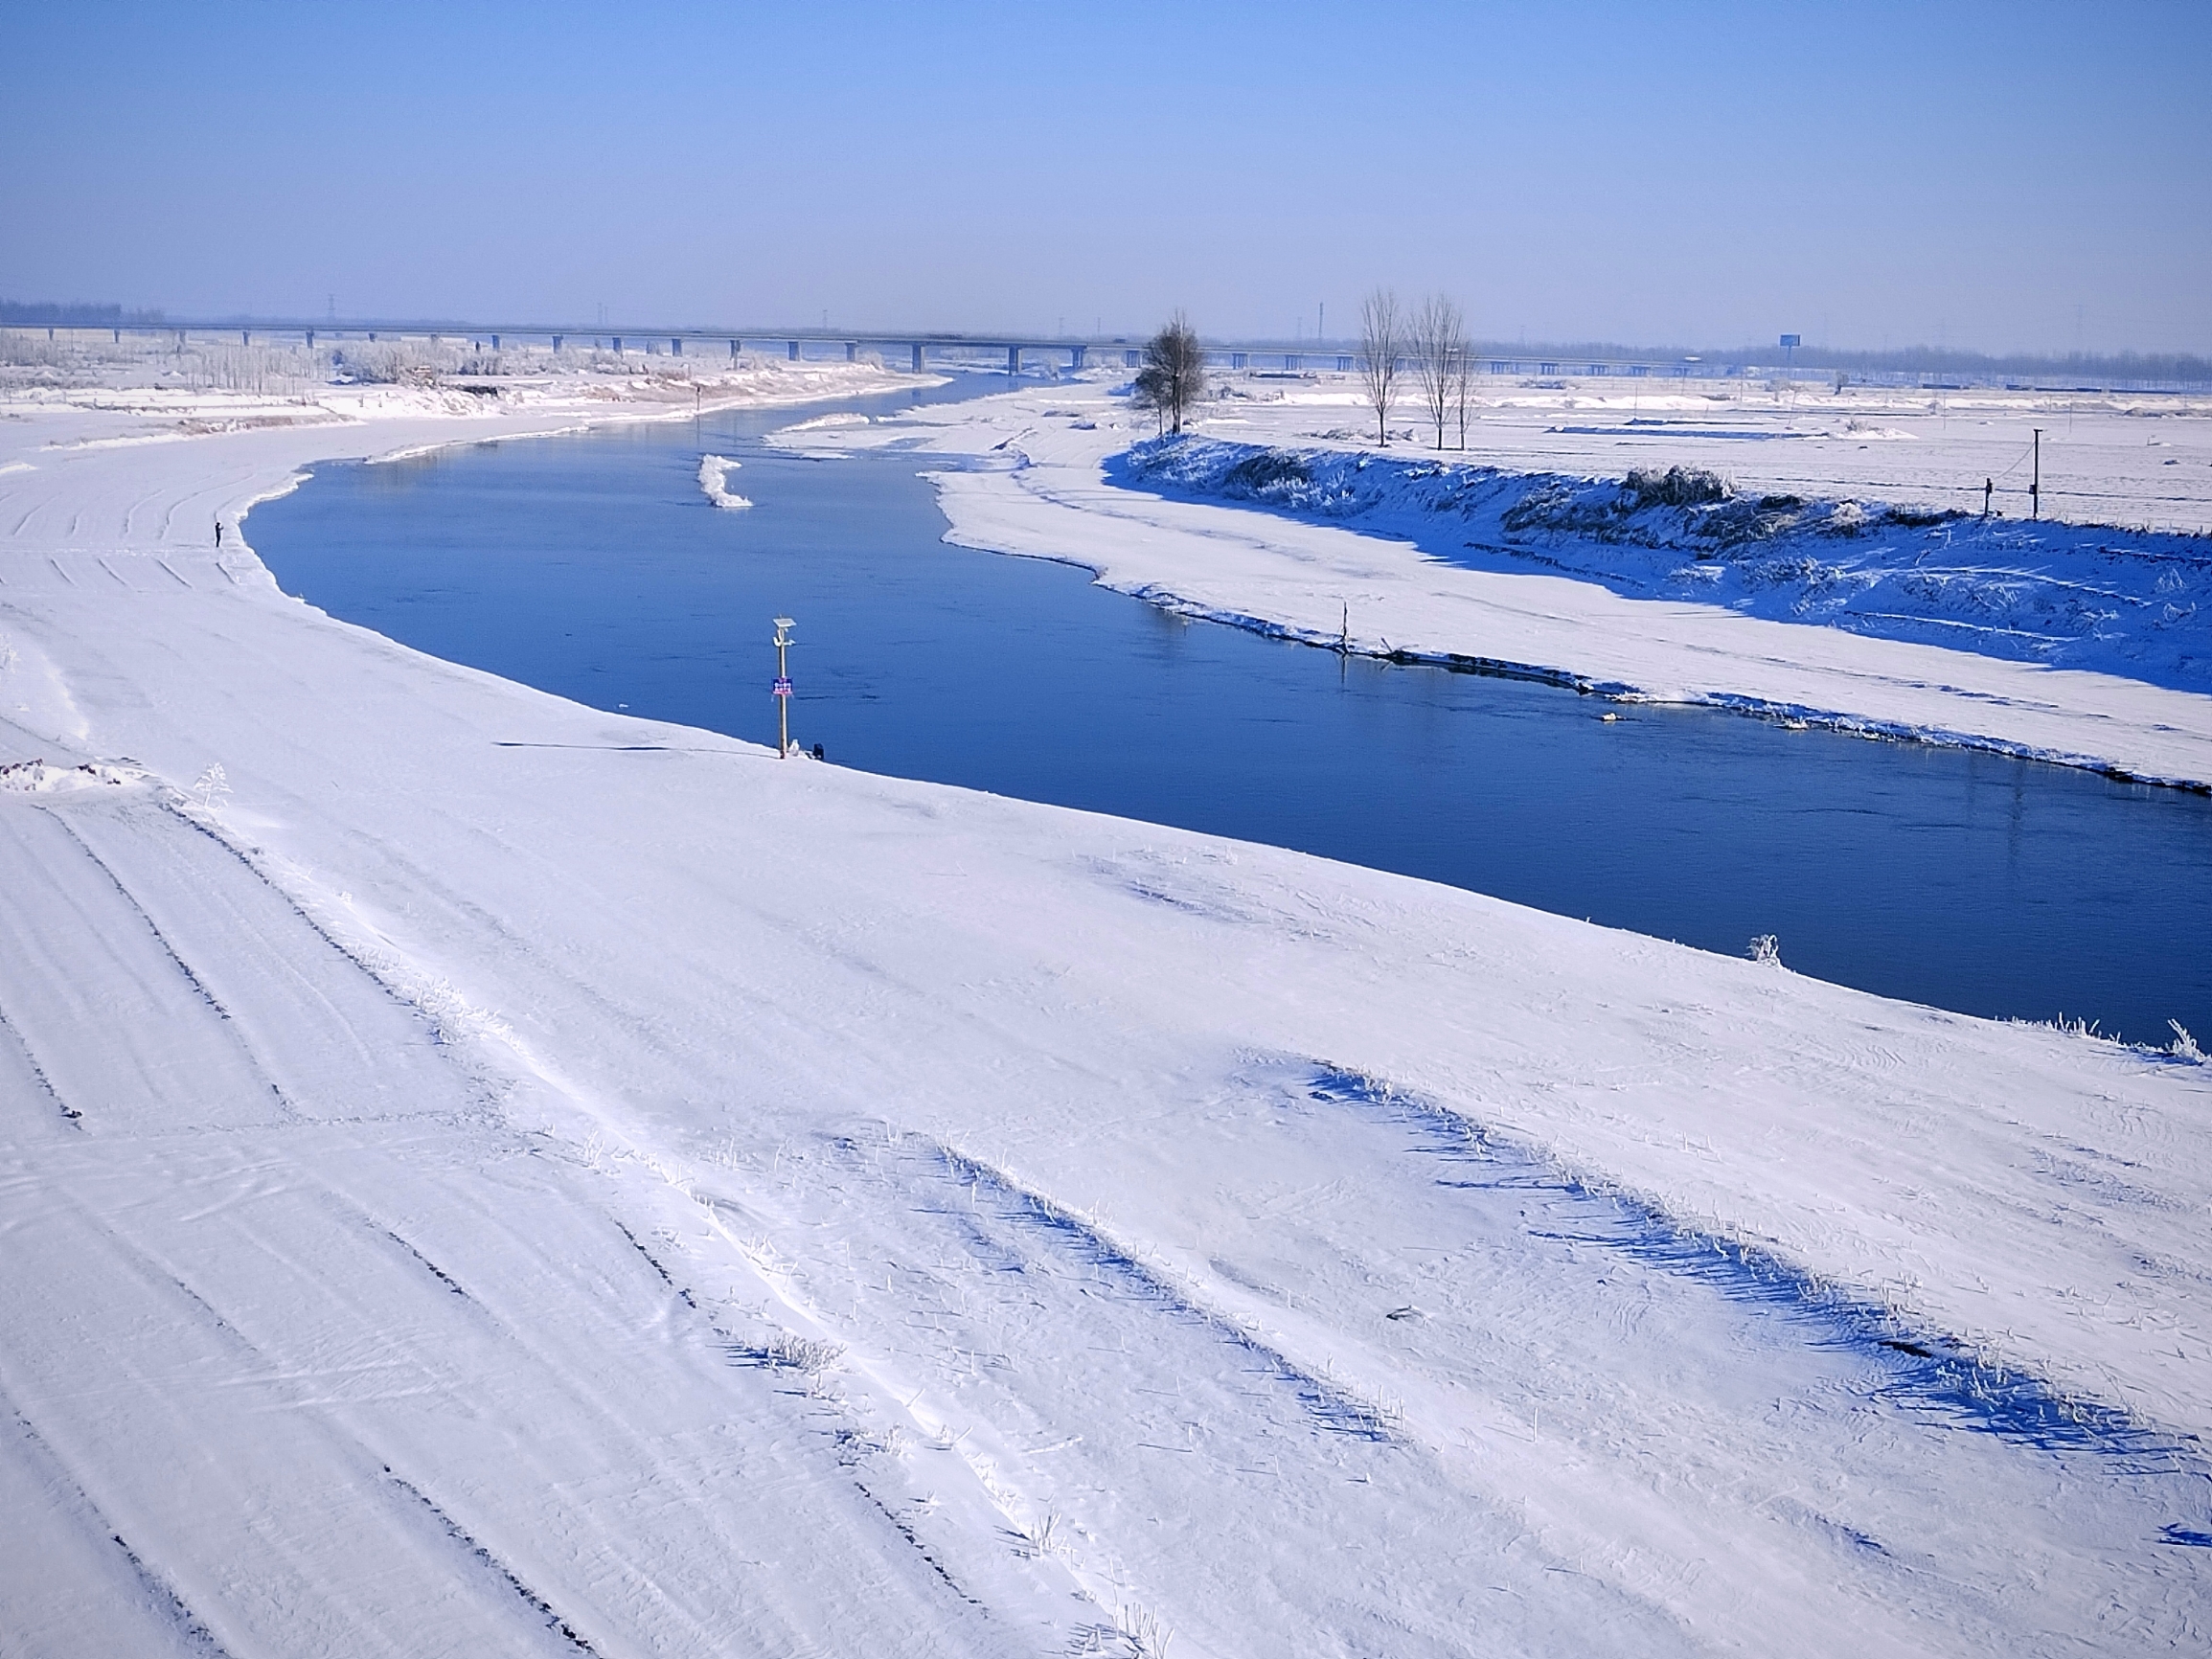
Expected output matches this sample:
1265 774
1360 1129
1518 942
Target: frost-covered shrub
1550 504
786 1351
22 350
1677 487
1268 470
395 362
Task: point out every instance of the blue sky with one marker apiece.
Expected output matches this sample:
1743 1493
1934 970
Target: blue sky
2006 177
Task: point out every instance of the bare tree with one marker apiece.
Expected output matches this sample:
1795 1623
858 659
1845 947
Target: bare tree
1438 345
1174 372
1462 387
1381 340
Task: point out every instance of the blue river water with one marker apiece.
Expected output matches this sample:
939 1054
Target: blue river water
592 566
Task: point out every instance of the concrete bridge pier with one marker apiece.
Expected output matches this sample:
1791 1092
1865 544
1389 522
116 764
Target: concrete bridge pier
794 352
1130 359
917 356
556 342
1014 359
852 351
733 350
1076 355
676 346
618 345
246 338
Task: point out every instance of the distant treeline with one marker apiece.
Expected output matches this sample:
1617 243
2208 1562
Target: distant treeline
2086 366
70 314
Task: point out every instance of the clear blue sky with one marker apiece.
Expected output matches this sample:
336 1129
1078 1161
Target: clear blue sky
2000 176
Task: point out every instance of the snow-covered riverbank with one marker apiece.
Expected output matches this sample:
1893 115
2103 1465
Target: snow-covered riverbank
485 1174
1040 487
2130 604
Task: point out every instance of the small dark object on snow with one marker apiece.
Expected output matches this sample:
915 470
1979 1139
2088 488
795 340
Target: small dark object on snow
818 752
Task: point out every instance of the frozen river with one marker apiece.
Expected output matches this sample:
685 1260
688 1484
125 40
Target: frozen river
592 566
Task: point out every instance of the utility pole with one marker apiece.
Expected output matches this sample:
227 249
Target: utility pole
2035 483
784 643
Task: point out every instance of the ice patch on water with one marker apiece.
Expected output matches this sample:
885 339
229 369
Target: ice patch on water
712 470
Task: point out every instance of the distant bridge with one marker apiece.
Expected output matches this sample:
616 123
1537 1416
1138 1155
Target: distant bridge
1056 352
795 344
1073 352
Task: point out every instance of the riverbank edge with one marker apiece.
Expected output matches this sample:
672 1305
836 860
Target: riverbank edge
965 530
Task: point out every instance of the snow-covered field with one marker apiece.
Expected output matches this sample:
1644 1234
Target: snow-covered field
487 1175
1996 644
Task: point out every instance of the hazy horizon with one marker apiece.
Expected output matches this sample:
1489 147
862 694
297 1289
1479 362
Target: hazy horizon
1716 174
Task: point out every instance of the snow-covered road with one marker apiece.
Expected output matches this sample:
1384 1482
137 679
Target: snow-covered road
484 1174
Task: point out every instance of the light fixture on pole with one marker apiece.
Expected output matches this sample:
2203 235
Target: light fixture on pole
784 643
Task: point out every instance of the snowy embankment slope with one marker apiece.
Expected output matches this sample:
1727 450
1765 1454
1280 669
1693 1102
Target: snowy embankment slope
484 1174
2130 604
1043 491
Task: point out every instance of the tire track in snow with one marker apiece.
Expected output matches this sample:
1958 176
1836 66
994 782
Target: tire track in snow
70 1115
1937 1374
337 1037
169 948
1894 1451
1331 1404
555 1621
1042 1334
316 1451
194 1631
72 1510
137 910
519 1266
122 1029
976 1528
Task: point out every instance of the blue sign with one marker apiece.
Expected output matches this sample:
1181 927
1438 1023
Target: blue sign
1790 342
782 688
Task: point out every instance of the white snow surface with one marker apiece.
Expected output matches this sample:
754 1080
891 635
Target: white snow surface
1605 617
483 1175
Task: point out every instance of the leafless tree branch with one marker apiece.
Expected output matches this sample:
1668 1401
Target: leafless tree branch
1439 351
1381 343
1174 372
